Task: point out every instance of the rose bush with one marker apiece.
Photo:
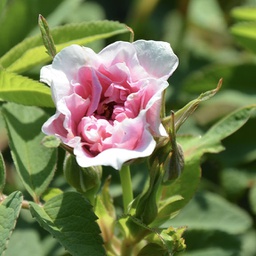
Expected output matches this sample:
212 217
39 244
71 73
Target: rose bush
108 104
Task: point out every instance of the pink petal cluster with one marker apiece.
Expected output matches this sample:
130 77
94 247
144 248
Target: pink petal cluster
108 104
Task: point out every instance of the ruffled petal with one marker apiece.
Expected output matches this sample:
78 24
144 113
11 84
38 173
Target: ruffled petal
156 57
64 69
116 157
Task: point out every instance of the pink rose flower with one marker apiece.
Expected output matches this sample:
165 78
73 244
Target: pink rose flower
108 104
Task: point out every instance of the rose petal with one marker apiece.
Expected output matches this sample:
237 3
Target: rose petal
115 157
108 104
64 69
123 52
156 57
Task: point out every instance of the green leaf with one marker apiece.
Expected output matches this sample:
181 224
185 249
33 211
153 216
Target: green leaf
230 123
31 52
34 163
51 141
50 193
211 243
236 181
245 34
245 152
248 243
244 13
69 218
181 190
183 114
210 142
9 212
212 212
2 174
25 242
194 147
22 90
153 249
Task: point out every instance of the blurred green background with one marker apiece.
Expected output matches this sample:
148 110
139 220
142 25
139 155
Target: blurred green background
203 33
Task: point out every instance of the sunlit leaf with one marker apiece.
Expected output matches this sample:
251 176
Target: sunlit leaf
244 13
212 212
22 90
9 212
25 242
69 218
31 51
194 148
34 162
245 34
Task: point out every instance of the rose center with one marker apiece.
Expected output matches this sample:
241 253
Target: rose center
108 109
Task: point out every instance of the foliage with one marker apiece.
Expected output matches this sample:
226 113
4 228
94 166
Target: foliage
213 198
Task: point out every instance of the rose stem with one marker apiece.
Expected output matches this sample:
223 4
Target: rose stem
126 183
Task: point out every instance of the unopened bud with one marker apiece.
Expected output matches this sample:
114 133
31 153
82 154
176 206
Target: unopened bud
147 208
174 163
85 180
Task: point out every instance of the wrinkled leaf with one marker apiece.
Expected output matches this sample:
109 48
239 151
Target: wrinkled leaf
212 212
9 212
25 242
23 90
211 243
69 218
35 163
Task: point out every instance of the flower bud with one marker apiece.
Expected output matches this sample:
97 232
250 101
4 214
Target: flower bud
147 208
85 180
174 163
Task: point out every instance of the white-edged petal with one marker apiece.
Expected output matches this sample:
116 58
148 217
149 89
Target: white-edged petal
116 157
157 58
64 69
